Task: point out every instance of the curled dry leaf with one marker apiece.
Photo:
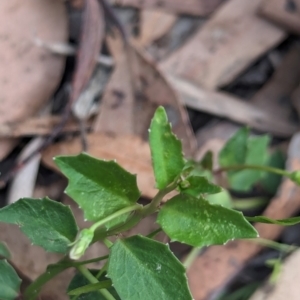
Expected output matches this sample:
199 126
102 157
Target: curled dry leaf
24 181
92 33
29 74
192 7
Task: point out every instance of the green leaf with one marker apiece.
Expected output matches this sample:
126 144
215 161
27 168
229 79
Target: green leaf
80 284
196 222
82 242
223 199
9 281
141 268
207 161
99 187
45 222
271 181
4 252
256 155
295 176
196 185
235 150
166 150
283 222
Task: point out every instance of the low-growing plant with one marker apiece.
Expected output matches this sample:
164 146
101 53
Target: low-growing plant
139 267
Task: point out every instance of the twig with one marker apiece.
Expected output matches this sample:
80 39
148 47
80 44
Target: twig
113 18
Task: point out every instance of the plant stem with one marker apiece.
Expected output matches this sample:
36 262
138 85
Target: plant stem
191 257
104 269
107 243
89 261
138 214
116 215
253 167
152 234
249 203
92 279
53 270
275 245
152 206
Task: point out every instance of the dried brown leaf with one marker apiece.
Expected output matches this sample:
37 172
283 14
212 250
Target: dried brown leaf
192 7
224 46
154 24
29 74
283 13
37 126
116 114
133 93
92 34
152 89
233 108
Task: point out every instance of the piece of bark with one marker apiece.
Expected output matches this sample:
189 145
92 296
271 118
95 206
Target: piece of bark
192 7
285 13
37 126
224 105
219 264
232 39
154 24
287 284
130 152
29 74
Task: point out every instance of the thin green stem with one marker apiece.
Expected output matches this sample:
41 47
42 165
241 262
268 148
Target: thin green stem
253 167
191 257
92 279
138 214
152 234
275 245
107 243
116 215
249 203
52 271
89 261
104 269
152 206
